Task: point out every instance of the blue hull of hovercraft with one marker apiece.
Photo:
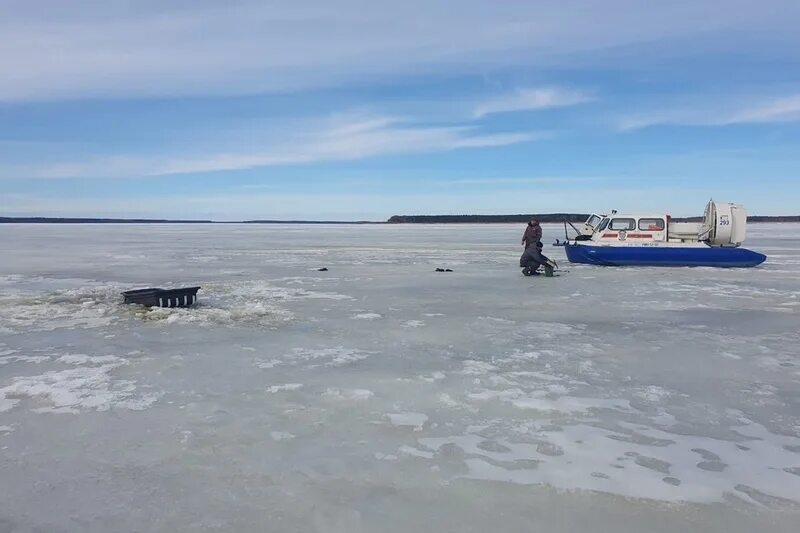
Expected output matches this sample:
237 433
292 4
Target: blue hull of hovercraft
671 256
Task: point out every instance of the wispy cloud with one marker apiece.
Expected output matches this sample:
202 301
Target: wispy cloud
59 50
534 180
779 110
531 99
341 138
782 109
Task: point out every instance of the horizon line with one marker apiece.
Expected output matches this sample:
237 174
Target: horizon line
394 219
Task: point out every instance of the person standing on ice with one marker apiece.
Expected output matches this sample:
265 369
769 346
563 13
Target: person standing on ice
532 235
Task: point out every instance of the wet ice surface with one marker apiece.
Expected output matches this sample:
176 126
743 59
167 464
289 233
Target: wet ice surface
383 396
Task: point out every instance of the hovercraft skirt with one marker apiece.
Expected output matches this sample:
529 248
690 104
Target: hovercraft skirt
673 256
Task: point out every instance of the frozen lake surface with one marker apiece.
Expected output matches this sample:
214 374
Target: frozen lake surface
383 396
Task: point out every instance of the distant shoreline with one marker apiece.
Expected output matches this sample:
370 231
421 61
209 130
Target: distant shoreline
89 220
547 218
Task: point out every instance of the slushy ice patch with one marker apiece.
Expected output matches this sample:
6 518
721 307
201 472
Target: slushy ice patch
316 357
582 456
90 387
253 314
246 303
348 394
631 439
81 308
34 359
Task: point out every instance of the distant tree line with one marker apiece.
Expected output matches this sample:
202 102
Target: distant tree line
483 219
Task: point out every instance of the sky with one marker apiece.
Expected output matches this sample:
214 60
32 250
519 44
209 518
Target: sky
358 110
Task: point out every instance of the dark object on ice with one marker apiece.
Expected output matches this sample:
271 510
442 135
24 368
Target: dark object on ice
154 297
323 269
444 270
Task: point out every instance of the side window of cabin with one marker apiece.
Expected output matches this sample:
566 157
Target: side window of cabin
651 224
603 225
622 224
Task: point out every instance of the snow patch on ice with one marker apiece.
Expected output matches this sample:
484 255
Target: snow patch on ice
285 387
367 316
267 364
435 376
35 359
448 401
549 330
413 420
69 391
384 456
281 435
477 368
348 394
83 359
496 320
414 452
6 404
653 394
339 356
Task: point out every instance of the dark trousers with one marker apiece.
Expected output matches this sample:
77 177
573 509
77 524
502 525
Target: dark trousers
532 257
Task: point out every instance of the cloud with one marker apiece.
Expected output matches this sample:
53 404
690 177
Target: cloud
780 110
340 138
537 180
56 50
532 99
783 109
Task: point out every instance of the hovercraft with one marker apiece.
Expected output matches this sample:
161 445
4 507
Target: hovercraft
655 240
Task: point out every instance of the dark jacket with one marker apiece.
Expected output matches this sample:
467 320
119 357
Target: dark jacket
533 257
533 234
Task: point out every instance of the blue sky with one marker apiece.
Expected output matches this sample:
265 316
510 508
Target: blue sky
360 110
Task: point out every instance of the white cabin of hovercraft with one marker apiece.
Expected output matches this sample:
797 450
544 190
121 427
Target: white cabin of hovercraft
724 224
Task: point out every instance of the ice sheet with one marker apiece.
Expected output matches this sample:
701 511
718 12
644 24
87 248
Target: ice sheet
383 396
